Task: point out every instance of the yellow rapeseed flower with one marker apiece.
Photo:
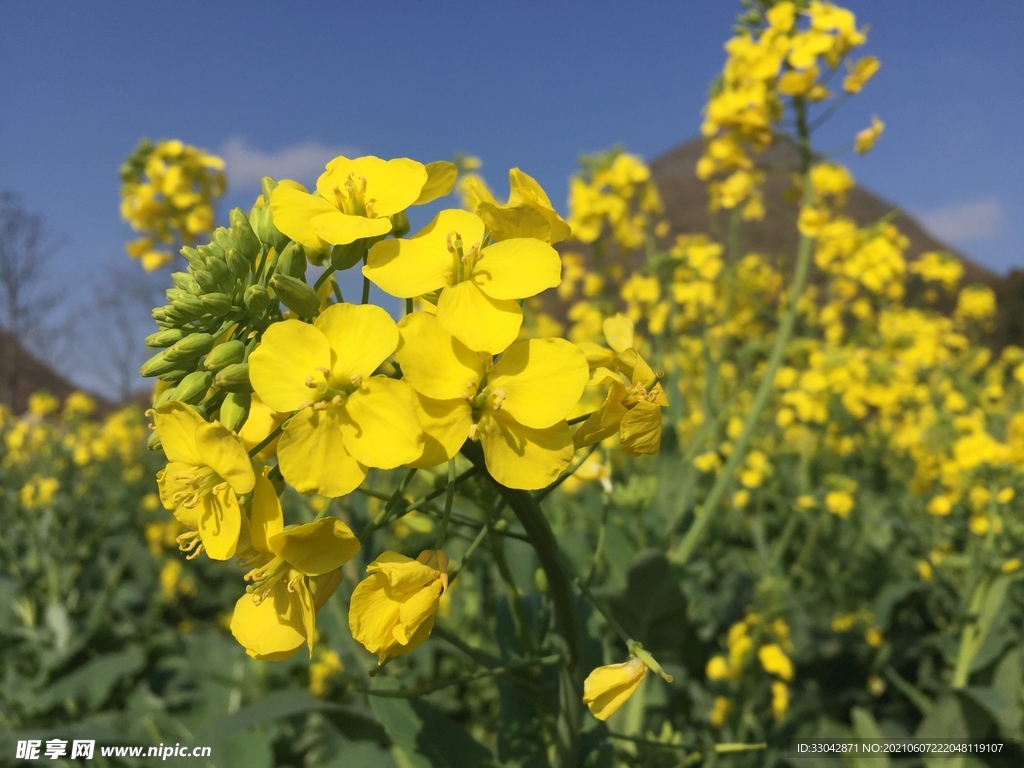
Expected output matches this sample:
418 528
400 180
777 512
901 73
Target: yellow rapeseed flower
347 418
207 470
515 407
775 661
478 283
607 688
392 610
866 138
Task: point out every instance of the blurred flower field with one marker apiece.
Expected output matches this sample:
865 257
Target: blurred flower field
587 492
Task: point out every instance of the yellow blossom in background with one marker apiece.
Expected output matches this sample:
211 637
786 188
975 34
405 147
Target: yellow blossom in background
327 665
720 709
925 570
865 139
775 661
392 610
527 213
609 687
976 303
839 503
780 700
859 73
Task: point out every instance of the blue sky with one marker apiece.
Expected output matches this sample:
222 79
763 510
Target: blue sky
531 84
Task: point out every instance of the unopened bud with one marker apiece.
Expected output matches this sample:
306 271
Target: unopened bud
191 347
217 304
292 262
186 282
165 338
193 387
157 365
192 256
228 353
347 256
246 241
219 269
222 238
174 293
211 252
296 295
267 185
206 280
233 378
256 299
235 410
238 266
153 442
164 397
183 369
188 306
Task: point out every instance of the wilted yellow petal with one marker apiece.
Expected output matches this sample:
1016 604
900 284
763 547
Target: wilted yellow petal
640 430
607 688
504 222
604 422
272 630
441 176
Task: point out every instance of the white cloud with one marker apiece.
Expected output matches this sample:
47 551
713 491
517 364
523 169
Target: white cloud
963 222
246 165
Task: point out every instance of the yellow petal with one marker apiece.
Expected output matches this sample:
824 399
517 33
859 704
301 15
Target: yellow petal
504 222
289 352
441 176
271 630
303 598
393 185
220 523
266 518
517 268
618 330
641 430
404 575
172 480
481 323
360 336
604 422
542 380
317 547
446 425
176 423
261 422
524 188
380 428
339 228
223 452
415 611
635 367
312 454
521 457
371 615
294 212
607 688
435 363
422 263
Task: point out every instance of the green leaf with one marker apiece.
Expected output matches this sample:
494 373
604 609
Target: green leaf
424 737
92 682
865 727
1008 679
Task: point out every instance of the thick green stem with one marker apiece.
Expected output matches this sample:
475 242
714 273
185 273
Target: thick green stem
684 551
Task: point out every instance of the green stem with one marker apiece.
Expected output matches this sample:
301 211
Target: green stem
366 290
266 441
449 499
381 520
411 693
544 492
324 277
382 516
684 551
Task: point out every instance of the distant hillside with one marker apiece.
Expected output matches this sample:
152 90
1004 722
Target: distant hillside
21 374
685 199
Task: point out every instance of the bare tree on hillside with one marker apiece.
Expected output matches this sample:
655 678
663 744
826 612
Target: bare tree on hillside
123 314
28 295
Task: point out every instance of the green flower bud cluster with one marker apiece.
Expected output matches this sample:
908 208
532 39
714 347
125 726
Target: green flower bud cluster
232 289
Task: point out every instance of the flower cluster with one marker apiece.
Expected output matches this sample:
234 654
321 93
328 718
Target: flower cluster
169 191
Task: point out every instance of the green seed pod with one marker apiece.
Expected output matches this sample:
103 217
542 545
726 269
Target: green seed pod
347 256
234 378
206 280
191 347
164 397
235 410
260 221
193 387
186 282
188 306
165 338
292 261
238 266
217 304
245 239
256 299
157 365
228 353
153 442
296 295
